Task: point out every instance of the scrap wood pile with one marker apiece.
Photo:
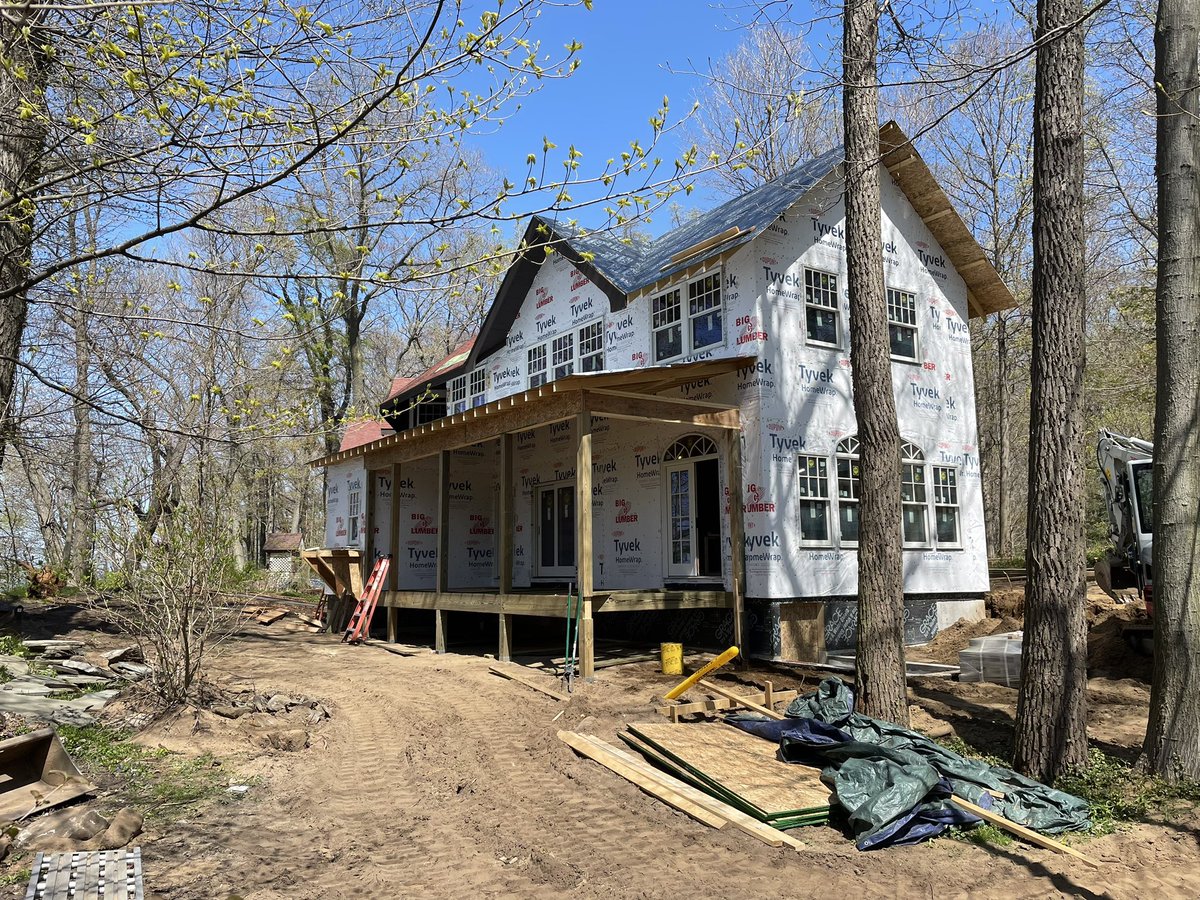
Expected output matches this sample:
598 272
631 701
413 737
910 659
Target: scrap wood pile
888 785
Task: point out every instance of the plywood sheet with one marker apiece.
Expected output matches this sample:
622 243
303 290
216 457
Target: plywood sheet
741 763
801 631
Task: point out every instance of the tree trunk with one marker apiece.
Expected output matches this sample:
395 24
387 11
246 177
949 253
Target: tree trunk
1003 544
1051 733
1172 745
21 144
879 682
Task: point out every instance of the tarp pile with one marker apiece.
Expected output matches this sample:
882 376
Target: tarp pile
895 784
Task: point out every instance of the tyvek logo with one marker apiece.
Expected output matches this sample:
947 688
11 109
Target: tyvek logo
544 324
755 502
624 514
929 260
515 339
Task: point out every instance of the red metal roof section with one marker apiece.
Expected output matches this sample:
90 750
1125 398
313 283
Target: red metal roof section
455 358
359 433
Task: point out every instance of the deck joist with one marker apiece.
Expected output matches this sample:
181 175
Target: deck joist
530 604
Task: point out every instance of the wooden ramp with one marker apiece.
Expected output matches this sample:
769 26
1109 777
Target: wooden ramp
737 767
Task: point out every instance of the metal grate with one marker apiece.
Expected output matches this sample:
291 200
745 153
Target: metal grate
99 874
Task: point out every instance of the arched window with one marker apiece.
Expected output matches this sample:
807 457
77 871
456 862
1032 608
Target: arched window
913 499
690 446
847 480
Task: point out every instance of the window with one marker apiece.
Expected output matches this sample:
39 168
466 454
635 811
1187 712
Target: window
668 336
456 394
478 386
562 360
537 365
902 324
847 479
353 511
704 325
690 446
913 499
813 490
822 320
945 505
556 530
704 311
591 347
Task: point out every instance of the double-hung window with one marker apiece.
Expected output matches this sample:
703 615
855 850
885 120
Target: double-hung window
591 347
945 506
679 329
537 365
902 324
456 394
562 355
353 511
822 319
477 385
813 490
848 482
913 497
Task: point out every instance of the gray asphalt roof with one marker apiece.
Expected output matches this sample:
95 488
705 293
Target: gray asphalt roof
631 267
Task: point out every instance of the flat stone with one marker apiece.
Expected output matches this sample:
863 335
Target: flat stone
123 654
132 670
75 667
85 680
28 689
14 665
95 701
279 703
230 712
44 645
125 826
50 681
44 709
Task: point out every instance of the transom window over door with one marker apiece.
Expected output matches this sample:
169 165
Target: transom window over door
556 529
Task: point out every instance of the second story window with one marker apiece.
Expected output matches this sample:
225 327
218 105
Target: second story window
477 385
562 359
822 321
902 324
668 331
456 394
680 330
704 311
591 347
537 365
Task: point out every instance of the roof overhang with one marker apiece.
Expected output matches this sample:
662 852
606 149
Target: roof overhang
622 394
986 292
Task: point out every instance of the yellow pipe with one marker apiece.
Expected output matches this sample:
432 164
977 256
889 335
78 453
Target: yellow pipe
696 676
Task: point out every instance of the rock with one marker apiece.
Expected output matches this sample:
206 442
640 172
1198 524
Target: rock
69 716
85 680
63 829
94 701
131 670
5 845
124 654
125 826
52 645
85 825
230 712
289 741
50 681
14 665
75 667
279 703
29 689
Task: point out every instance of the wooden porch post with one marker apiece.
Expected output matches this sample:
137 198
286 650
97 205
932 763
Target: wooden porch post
393 613
583 543
737 531
368 524
504 526
443 554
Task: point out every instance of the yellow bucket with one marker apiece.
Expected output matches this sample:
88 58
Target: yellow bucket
672 659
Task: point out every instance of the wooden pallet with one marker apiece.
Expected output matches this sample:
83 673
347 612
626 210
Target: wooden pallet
94 875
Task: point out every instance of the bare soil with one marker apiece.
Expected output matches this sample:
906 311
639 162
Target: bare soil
434 778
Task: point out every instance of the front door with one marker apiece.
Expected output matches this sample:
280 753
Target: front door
681 552
556 530
693 518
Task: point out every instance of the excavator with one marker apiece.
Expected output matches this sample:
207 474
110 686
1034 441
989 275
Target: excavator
1126 570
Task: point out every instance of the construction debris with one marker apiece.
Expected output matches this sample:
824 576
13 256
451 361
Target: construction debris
102 875
529 682
37 773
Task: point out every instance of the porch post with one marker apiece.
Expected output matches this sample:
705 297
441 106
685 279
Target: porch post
583 542
393 613
504 527
737 531
368 524
443 554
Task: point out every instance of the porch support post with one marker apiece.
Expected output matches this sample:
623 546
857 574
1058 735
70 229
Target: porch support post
583 542
737 531
393 613
505 542
368 528
443 554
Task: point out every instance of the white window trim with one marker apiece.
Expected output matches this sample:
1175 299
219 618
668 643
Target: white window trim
353 514
579 338
477 388
956 506
827 500
852 458
924 505
836 308
537 570
456 395
557 359
915 326
684 322
545 369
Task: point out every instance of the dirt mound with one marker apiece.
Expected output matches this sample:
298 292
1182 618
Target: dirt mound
949 641
1108 651
1006 601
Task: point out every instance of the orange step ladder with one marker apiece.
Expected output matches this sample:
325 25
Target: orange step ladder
360 623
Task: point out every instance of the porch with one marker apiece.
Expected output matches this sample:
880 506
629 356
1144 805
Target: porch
584 402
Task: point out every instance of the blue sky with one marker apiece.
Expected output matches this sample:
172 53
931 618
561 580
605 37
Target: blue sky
627 46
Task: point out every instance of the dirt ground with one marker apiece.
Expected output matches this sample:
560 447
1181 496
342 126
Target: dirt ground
435 778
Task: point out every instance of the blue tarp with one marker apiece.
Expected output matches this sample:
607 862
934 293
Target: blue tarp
895 784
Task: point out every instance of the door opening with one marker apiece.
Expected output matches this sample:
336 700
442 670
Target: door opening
556 530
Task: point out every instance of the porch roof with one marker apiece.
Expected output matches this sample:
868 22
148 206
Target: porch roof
620 394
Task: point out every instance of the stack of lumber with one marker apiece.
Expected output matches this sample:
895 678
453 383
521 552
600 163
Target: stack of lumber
736 768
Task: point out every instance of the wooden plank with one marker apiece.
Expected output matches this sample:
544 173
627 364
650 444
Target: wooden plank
639 601
737 531
439 630
478 601
801 630
368 522
656 409
657 785
271 616
504 651
587 642
393 624
1021 831
741 763
583 541
394 549
528 682
744 701
721 703
740 820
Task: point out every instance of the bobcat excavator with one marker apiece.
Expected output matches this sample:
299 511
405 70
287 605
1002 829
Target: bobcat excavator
1126 570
